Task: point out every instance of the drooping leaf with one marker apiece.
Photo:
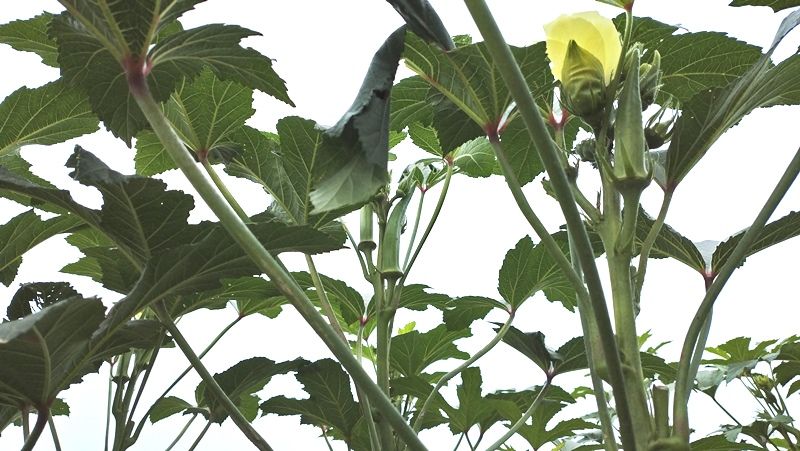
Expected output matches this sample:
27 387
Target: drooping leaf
669 243
49 114
250 295
654 366
102 261
773 233
476 158
37 295
24 232
166 407
776 5
39 351
415 297
422 19
571 356
30 35
709 114
528 269
204 112
330 402
360 139
414 351
522 154
240 382
789 368
138 213
201 266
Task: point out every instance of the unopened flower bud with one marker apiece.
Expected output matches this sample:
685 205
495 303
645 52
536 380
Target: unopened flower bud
632 168
650 80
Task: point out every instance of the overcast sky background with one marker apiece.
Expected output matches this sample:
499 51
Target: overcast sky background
322 49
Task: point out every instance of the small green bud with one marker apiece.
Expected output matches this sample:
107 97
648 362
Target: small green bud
585 150
583 88
632 168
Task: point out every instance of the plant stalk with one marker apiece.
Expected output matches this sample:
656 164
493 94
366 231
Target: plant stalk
54 433
685 379
647 244
263 259
42 414
230 408
200 437
510 71
182 432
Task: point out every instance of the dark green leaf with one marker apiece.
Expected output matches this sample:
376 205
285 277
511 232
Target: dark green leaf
532 346
776 5
737 356
251 295
88 65
240 382
194 268
346 301
138 213
414 297
425 137
39 351
720 443
669 243
24 232
461 312
204 112
166 407
49 114
414 351
30 35
420 387
453 126
527 269
710 113
473 409
654 366
103 261
133 334
476 158
789 368
422 19
330 402
773 233
522 154
647 31
468 78
410 103
217 46
35 296
695 62
360 139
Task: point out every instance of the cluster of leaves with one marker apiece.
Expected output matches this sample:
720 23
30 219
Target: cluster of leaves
141 245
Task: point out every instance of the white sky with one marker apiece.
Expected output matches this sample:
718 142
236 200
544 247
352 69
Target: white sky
322 49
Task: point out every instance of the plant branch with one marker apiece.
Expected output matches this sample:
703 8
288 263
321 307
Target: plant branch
200 437
54 433
647 244
521 422
263 259
42 414
434 217
182 432
212 173
510 71
327 308
444 379
684 377
415 228
211 383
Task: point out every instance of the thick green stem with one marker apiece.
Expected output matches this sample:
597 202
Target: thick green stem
661 411
647 244
41 421
118 408
444 379
521 422
262 258
512 75
211 383
685 378
628 341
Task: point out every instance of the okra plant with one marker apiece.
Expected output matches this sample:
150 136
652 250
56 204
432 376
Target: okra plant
629 101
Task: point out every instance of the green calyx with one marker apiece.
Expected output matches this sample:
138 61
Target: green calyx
582 84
